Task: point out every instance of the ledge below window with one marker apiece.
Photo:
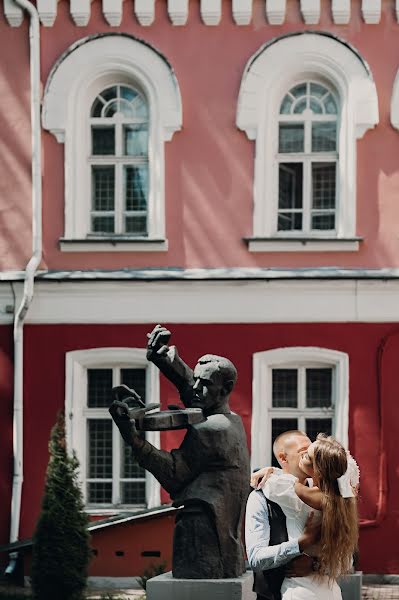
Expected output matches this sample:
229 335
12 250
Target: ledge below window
114 244
302 244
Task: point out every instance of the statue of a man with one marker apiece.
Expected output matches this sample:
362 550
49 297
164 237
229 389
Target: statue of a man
207 476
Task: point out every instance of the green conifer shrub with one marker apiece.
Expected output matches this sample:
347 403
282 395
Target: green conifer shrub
61 551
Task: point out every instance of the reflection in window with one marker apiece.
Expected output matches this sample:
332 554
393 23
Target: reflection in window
119 162
307 160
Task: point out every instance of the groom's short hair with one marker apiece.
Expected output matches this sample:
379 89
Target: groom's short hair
283 438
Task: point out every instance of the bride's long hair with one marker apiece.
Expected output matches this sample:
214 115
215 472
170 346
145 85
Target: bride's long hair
339 526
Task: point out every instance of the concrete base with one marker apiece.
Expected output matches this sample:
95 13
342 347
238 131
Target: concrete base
351 586
165 587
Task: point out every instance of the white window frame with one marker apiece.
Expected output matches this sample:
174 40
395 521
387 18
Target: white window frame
84 70
306 158
76 411
262 410
272 71
119 160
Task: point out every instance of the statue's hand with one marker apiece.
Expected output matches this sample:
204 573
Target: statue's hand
119 411
158 341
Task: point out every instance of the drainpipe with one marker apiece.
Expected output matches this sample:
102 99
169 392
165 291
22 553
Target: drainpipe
31 268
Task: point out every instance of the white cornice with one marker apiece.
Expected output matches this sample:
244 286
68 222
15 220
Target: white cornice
211 13
207 301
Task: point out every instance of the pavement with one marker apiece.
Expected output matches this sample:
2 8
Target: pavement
369 592
380 592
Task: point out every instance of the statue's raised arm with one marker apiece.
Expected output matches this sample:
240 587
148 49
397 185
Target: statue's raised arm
168 361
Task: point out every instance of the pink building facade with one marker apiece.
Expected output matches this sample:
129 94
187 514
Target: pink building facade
227 168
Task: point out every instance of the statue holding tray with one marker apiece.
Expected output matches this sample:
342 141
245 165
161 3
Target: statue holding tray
207 476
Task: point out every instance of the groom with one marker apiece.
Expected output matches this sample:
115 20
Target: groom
271 556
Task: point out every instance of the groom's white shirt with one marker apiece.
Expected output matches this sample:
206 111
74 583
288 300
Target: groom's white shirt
260 555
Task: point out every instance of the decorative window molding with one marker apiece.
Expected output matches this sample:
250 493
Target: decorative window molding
78 414
395 103
275 11
268 76
300 358
87 68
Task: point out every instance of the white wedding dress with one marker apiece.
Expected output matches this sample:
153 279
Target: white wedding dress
280 488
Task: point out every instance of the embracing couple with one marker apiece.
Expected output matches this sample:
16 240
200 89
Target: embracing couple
301 520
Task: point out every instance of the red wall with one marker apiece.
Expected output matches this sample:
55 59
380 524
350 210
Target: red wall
46 345
209 164
6 404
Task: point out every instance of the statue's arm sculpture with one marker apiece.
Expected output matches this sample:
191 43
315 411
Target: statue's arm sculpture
175 469
169 363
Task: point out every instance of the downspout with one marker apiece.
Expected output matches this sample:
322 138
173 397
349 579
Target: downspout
31 268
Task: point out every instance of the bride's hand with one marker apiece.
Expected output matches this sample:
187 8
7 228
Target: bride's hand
259 478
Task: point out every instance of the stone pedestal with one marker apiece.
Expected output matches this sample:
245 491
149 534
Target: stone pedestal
351 586
165 587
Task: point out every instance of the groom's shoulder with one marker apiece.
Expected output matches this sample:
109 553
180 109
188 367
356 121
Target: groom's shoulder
257 502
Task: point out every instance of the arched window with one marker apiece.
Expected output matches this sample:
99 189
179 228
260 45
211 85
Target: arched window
303 388
111 480
119 162
114 102
305 98
307 158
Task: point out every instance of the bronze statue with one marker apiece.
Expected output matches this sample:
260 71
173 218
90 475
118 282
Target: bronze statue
207 476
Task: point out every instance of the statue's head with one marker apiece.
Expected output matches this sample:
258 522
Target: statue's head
214 378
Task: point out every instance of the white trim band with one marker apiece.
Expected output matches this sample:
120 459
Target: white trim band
208 302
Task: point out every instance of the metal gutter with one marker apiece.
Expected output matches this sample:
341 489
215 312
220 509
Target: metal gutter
29 275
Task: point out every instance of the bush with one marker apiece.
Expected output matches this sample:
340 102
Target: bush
150 572
61 551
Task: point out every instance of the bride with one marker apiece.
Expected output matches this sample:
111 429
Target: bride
333 500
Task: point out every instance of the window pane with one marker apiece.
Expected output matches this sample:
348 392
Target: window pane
135 379
136 187
286 105
324 137
136 225
330 105
300 106
285 388
135 140
318 90
318 388
279 426
315 106
133 492
111 109
99 386
316 426
291 137
99 492
103 140
128 93
299 90
289 222
102 225
103 183
323 222
290 185
97 107
129 467
109 93
100 448
323 185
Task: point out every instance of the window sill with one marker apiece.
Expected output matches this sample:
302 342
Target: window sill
108 512
114 244
302 244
